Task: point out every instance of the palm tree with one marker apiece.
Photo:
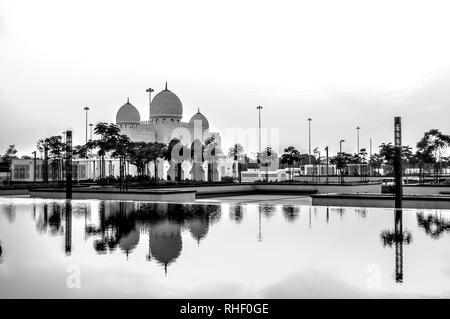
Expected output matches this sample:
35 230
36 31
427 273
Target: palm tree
375 162
237 152
290 156
211 153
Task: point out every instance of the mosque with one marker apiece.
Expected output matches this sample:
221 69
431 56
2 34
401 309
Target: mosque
164 123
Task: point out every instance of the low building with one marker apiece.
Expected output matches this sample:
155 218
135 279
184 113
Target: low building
253 175
26 170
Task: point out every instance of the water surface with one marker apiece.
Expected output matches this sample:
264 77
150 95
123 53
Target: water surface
124 249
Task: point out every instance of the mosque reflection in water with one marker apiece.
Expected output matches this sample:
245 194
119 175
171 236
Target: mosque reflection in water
121 225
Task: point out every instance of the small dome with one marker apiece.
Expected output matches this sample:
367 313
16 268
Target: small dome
128 242
165 241
200 117
198 227
128 114
166 104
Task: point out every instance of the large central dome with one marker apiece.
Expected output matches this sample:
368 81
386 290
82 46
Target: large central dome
166 104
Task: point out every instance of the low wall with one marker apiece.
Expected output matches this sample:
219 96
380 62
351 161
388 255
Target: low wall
157 195
12 191
250 188
378 200
219 189
322 188
203 191
425 189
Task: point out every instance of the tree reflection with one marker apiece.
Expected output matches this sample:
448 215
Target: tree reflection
398 237
54 221
10 212
434 225
237 213
361 211
1 253
49 221
291 213
268 210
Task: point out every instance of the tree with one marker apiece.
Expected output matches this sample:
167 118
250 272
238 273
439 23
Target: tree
139 155
8 156
341 160
157 150
434 143
387 152
290 156
80 151
109 137
121 151
53 147
267 158
375 161
236 151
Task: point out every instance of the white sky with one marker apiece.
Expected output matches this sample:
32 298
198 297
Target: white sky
342 63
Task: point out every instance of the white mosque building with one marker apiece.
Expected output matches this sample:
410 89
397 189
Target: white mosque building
164 123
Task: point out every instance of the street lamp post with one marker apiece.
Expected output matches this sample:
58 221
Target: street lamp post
340 155
309 138
34 167
357 139
90 127
259 108
358 150
86 109
149 91
326 149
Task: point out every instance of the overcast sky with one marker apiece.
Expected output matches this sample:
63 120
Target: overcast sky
342 63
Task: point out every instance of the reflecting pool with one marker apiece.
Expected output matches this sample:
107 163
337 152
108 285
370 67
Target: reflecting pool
125 249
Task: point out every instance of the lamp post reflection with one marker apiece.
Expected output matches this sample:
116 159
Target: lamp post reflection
398 237
260 236
68 230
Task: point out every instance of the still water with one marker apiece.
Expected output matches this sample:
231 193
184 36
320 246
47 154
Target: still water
103 249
